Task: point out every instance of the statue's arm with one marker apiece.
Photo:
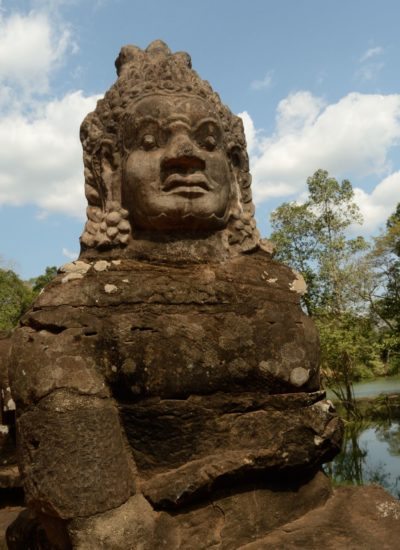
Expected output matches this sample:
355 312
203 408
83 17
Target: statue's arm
72 452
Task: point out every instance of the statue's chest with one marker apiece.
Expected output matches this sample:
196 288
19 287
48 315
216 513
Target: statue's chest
183 331
174 331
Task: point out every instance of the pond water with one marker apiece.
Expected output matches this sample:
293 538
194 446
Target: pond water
373 388
371 450
371 454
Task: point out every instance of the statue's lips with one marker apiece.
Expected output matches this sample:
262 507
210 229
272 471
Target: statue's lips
189 184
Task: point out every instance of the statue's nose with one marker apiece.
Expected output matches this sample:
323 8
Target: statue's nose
181 150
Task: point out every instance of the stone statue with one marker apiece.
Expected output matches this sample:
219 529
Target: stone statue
167 382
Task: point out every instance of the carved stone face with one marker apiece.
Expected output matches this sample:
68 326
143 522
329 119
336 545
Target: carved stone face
176 174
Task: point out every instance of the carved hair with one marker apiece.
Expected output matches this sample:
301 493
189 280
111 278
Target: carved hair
142 73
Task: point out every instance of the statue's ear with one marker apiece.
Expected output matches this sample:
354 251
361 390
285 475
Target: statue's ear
236 158
105 164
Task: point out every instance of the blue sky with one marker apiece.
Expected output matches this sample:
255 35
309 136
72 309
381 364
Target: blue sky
315 81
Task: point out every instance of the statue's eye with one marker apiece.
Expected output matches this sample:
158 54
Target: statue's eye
149 142
210 143
208 135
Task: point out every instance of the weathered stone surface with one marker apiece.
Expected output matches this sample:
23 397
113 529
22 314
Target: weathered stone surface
355 517
173 488
132 525
57 444
53 359
252 518
8 515
184 447
28 533
196 328
9 477
7 403
240 513
5 344
7 447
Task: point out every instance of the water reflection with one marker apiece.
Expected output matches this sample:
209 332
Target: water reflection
371 454
391 435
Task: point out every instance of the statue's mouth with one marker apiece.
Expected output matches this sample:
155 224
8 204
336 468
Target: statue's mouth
195 184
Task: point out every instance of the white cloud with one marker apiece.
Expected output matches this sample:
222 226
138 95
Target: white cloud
30 47
40 152
369 71
52 4
70 254
263 84
250 131
377 206
55 5
297 111
351 138
370 67
41 156
371 52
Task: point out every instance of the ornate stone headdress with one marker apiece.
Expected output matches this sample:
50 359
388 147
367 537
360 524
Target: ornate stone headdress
142 73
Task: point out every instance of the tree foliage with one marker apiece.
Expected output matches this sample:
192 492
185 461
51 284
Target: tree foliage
383 288
16 295
38 283
312 238
15 298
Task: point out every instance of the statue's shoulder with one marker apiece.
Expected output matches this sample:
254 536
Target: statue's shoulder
259 266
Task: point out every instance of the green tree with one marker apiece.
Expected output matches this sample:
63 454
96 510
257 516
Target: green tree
382 289
296 244
15 298
312 238
393 231
42 280
349 351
